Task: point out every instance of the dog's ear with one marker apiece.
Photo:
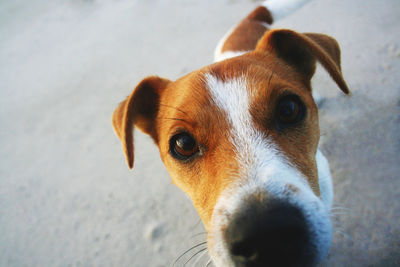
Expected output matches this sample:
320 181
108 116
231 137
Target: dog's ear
139 109
302 51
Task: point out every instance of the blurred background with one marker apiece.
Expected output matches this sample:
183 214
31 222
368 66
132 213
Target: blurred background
67 198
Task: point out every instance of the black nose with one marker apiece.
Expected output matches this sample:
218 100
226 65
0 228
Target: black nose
272 233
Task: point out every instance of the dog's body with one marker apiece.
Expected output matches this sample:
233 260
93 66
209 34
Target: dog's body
240 138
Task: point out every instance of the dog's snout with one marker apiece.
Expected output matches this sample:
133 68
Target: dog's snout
269 234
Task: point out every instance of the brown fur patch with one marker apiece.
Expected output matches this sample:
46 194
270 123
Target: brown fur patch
246 35
190 109
162 109
302 51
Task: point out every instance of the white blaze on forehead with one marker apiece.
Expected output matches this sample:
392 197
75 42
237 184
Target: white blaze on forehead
232 97
262 168
252 147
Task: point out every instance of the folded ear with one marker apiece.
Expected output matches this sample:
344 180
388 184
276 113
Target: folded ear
302 51
139 109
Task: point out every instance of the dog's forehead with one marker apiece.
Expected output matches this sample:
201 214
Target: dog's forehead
193 92
213 94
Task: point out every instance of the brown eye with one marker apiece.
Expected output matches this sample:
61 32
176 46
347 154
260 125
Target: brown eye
290 110
183 146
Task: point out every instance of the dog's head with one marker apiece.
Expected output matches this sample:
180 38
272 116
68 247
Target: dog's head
240 138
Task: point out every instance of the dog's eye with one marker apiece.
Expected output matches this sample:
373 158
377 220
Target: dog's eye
290 110
183 146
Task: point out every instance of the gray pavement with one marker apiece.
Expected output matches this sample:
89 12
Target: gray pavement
67 197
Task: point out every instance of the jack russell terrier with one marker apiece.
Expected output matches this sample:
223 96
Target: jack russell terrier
240 138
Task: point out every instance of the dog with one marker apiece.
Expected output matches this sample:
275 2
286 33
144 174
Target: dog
240 137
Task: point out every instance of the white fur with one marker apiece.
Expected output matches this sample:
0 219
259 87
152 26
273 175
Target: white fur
262 168
282 8
228 54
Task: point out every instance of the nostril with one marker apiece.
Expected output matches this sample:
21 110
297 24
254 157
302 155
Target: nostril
241 245
241 249
244 249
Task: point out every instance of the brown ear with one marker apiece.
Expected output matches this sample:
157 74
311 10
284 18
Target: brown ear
139 109
302 51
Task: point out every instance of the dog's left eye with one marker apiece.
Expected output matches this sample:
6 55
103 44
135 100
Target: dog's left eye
290 110
183 146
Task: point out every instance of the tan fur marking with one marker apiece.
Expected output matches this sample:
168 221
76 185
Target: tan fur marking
138 109
304 49
246 35
204 178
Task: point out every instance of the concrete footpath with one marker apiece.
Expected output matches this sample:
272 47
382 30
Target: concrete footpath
67 198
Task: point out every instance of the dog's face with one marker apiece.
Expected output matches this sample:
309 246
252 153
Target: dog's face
240 138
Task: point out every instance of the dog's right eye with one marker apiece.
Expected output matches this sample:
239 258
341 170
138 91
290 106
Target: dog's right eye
290 111
183 146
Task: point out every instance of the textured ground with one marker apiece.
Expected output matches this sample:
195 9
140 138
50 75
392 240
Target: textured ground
66 196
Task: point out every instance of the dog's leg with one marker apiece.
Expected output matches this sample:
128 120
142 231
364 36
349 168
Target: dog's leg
243 37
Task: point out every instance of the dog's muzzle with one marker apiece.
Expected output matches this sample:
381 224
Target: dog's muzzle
269 233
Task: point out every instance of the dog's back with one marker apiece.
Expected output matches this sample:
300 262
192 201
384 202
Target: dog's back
244 36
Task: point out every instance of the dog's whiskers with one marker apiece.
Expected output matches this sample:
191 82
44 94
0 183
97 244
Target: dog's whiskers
194 255
343 234
337 227
197 223
337 210
340 208
198 234
334 214
208 263
187 251
201 256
